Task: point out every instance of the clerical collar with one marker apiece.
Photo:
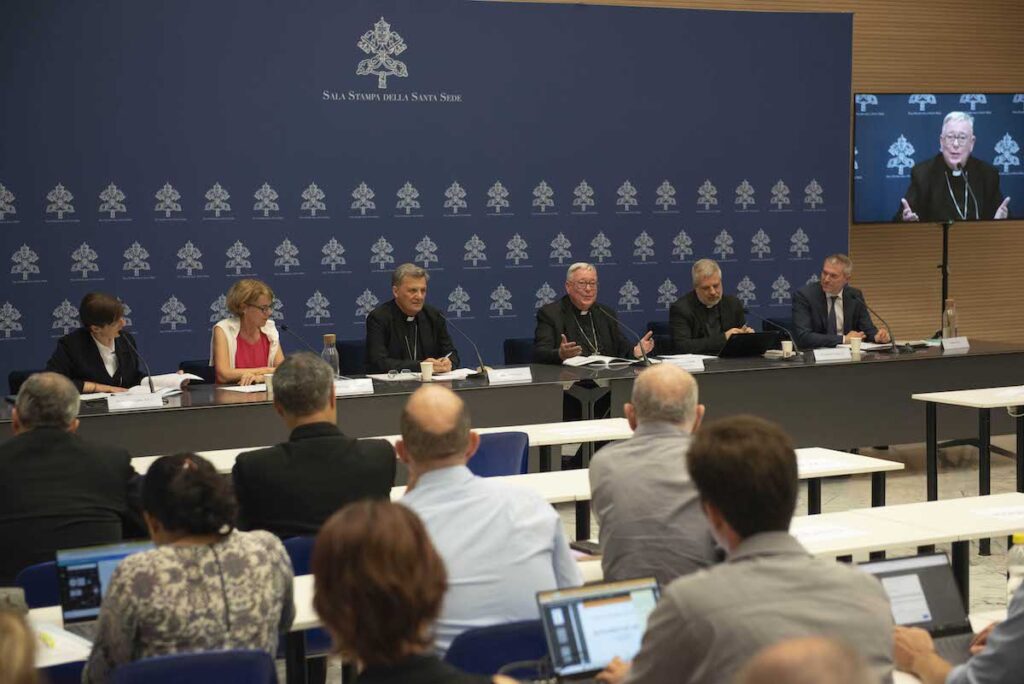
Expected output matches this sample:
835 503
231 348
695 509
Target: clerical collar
410 319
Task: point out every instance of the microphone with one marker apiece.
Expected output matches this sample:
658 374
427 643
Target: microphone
646 361
772 323
479 359
893 349
149 374
294 334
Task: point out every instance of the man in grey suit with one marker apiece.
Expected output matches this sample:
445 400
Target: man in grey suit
769 589
649 513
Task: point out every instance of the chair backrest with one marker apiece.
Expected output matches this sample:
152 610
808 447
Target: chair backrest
352 357
485 650
200 367
518 350
39 582
662 336
300 551
214 667
501 453
17 377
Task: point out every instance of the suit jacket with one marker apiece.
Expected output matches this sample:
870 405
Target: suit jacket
688 319
810 314
928 194
292 488
709 624
562 318
58 491
77 357
386 348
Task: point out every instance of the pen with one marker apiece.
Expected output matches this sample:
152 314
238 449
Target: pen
448 355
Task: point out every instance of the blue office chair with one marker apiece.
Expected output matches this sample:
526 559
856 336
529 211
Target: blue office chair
518 351
318 641
300 551
200 367
352 357
501 453
16 378
213 667
39 583
485 650
662 336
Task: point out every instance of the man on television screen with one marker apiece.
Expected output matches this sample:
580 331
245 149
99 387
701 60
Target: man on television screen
953 185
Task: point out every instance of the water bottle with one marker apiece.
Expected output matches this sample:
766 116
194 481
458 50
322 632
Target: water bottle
949 320
330 353
1014 566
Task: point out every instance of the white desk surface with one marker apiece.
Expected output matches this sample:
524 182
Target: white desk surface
992 397
967 518
849 532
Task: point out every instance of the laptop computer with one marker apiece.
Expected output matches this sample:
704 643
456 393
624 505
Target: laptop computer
83 576
750 344
923 593
586 627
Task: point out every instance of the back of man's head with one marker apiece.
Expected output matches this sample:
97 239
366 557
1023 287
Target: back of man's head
47 400
665 393
812 660
303 384
435 425
746 468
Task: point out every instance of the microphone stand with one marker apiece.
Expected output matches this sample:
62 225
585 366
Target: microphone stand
307 345
643 354
479 359
893 349
779 326
149 373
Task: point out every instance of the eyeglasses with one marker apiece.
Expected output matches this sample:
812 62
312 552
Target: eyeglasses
585 284
265 310
959 138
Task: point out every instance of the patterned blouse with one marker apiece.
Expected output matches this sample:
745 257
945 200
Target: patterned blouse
234 594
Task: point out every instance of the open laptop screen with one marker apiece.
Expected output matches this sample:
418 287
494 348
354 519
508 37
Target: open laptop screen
84 574
588 626
921 590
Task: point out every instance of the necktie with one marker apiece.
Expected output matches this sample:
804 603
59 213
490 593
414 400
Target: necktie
830 323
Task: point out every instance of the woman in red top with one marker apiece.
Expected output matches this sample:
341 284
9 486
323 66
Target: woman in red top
246 346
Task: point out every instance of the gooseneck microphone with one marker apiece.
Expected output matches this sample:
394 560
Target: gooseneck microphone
149 374
893 349
479 359
748 312
643 353
294 334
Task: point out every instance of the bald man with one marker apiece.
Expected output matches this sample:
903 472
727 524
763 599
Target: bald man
500 543
649 513
811 660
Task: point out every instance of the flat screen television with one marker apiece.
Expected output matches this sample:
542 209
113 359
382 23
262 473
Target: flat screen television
903 151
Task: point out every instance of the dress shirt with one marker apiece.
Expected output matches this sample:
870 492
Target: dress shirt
649 512
501 544
108 356
1003 657
709 624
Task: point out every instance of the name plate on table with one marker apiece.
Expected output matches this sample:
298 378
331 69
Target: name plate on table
691 365
351 388
832 355
955 344
127 401
509 376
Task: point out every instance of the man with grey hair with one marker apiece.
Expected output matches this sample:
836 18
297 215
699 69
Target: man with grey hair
704 318
404 331
501 543
290 489
651 522
953 185
57 490
830 312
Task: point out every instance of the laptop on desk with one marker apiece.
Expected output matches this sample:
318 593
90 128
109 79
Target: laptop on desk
923 593
750 344
586 627
83 576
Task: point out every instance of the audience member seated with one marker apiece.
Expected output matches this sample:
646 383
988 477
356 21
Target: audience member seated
17 650
378 587
100 356
291 488
206 586
57 490
997 652
246 346
811 660
500 543
769 589
650 517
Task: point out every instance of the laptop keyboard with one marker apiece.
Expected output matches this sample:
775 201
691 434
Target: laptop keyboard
955 648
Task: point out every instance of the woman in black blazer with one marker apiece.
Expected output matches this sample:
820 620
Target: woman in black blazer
99 356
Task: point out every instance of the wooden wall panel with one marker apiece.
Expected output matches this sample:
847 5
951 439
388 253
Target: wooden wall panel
925 46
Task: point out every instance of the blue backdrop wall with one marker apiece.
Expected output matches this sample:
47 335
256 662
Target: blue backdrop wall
892 132
159 151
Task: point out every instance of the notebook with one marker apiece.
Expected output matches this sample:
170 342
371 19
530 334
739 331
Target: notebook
923 593
586 627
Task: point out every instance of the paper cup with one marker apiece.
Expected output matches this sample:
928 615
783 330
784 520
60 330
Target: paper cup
787 347
855 345
426 371
268 378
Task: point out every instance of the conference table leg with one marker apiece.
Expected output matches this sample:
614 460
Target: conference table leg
1019 411
984 465
932 451
877 489
962 570
544 459
295 658
814 496
582 520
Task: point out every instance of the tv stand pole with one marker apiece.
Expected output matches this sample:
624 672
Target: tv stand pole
944 270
